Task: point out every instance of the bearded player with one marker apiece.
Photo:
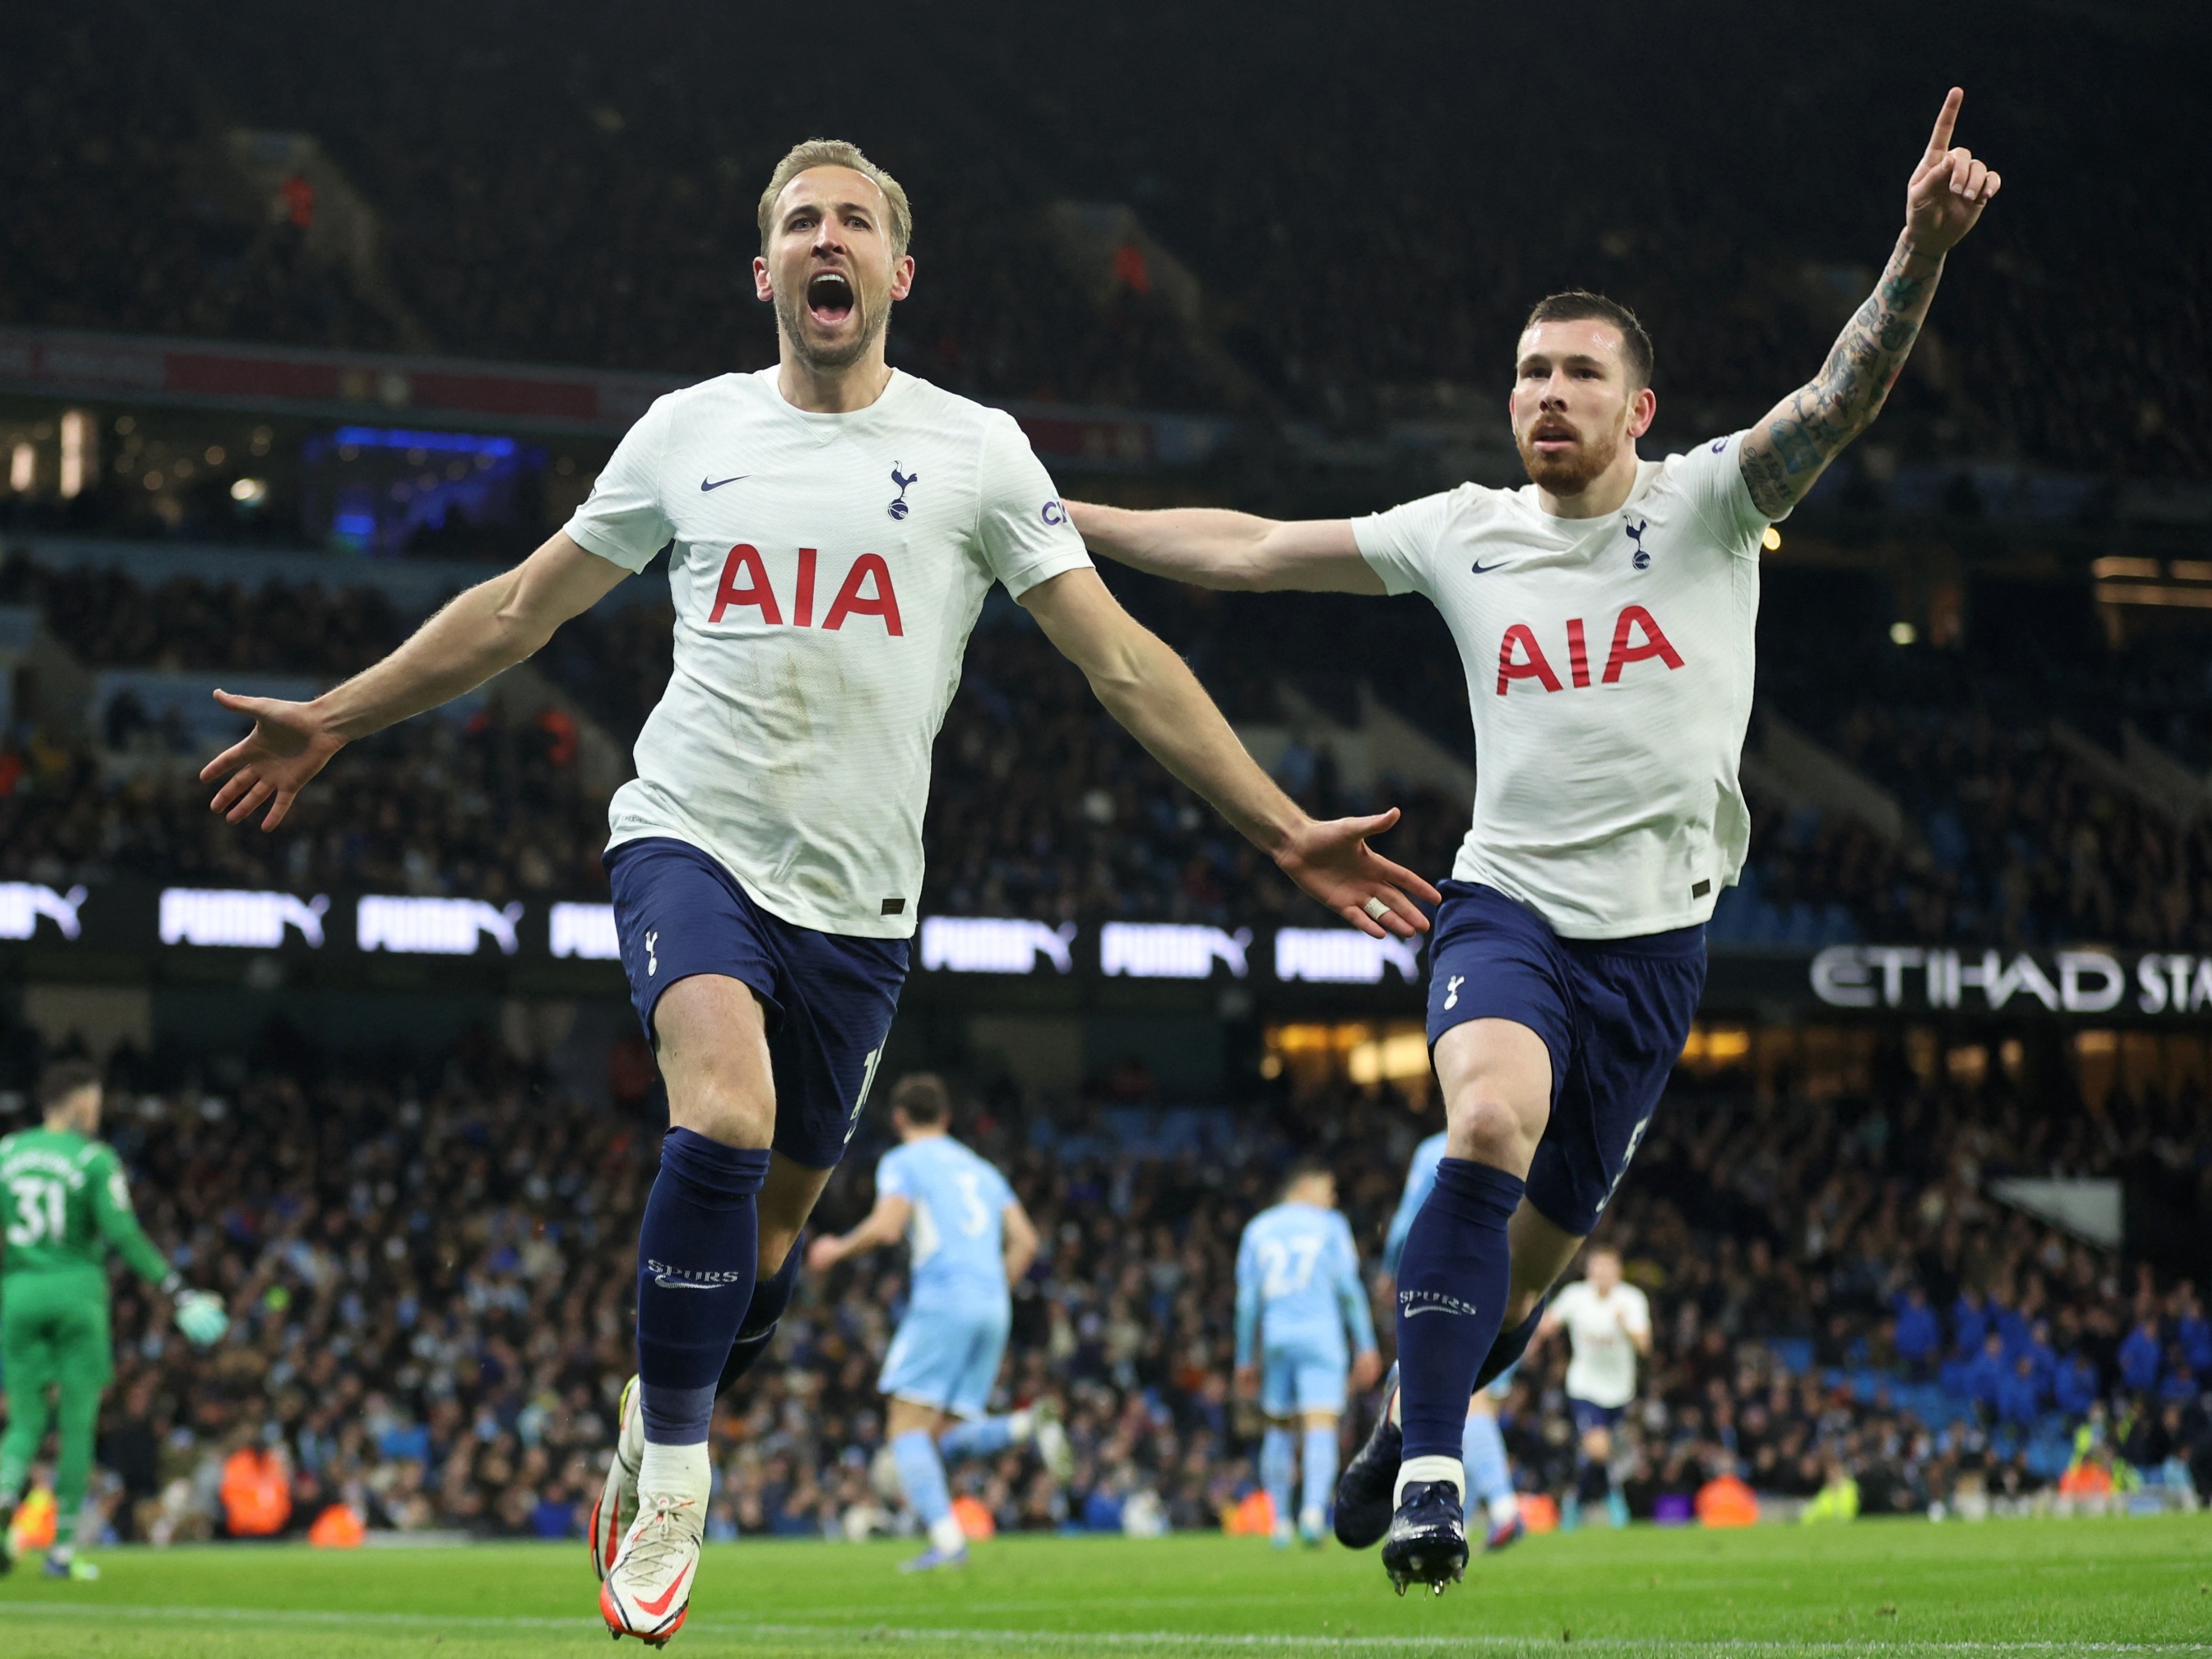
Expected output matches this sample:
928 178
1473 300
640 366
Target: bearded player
835 527
1605 616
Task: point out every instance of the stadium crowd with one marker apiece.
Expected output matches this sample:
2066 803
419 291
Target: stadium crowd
581 191
1043 807
430 1278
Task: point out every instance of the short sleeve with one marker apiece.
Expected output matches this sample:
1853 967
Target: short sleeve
1020 524
621 519
1711 477
1639 1313
1401 544
893 1176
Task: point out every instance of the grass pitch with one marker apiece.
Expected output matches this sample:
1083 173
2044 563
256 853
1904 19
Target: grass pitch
2017 1587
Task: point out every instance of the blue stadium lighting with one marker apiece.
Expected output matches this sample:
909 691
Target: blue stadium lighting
464 443
356 524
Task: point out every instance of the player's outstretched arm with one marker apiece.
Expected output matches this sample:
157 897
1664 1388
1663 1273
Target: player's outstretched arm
1153 692
493 626
886 1224
1208 547
1784 454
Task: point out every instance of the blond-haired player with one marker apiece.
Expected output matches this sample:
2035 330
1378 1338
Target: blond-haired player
834 525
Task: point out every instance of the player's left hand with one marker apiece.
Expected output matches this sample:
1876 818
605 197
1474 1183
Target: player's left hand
823 1254
1333 862
1948 188
1366 1370
1248 1382
201 1318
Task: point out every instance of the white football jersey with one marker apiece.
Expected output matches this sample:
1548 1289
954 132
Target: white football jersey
1602 1368
826 571
1609 672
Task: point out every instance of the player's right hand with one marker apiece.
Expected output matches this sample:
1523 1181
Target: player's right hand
289 745
1248 1382
201 1318
1333 862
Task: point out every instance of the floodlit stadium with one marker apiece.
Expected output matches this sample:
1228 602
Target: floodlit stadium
1084 829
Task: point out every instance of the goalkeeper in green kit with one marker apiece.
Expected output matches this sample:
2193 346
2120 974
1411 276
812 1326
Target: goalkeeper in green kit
64 1203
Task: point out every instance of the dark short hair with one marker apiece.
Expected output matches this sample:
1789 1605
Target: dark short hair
923 1097
1579 304
64 1078
1302 1169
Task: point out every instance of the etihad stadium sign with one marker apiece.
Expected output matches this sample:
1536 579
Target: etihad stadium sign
2076 982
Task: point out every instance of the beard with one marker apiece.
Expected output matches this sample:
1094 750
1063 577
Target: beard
791 314
1574 471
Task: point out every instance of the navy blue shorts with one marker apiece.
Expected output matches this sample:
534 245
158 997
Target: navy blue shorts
1588 1416
1614 1013
829 997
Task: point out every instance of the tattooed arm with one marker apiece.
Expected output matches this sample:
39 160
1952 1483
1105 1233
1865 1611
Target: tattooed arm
1784 454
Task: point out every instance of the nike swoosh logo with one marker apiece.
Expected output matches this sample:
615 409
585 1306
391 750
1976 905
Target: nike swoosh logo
668 1284
719 482
654 1609
1433 1307
1479 568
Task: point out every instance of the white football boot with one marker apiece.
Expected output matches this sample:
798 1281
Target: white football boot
1051 1440
647 1591
617 1503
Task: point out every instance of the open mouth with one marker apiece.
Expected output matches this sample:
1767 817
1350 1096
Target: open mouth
829 297
1551 436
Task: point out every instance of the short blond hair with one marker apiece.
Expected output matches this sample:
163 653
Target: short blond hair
836 153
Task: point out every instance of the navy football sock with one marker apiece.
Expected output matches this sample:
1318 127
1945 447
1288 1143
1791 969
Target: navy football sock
771 1295
1505 1352
696 1258
1452 1284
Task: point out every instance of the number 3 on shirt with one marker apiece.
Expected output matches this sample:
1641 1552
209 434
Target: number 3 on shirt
971 1189
41 1210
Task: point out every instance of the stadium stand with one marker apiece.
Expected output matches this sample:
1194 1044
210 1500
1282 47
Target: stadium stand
2013 829
431 1272
573 193
431 1260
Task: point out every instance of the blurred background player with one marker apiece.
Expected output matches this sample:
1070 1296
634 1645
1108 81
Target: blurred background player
1298 1291
1482 1442
1605 616
834 527
1609 1327
66 1205
969 1241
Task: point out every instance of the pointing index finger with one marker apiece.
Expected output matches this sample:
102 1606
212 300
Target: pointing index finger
1946 118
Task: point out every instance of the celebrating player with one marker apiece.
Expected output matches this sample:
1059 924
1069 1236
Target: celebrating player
66 1205
1608 1325
968 1239
1482 1442
835 525
1297 1292
1605 616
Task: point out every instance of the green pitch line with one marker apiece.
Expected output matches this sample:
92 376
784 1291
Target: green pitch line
1904 1587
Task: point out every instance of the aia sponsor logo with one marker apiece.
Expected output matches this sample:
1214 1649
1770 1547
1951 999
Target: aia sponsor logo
867 591
1636 638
